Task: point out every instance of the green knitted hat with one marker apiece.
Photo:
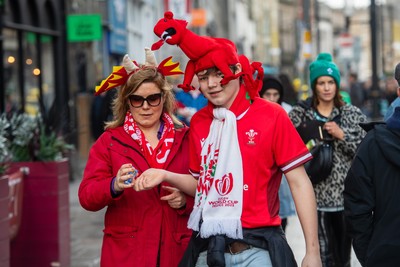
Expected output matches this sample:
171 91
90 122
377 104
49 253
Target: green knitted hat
324 66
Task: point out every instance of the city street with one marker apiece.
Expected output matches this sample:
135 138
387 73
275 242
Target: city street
86 234
296 241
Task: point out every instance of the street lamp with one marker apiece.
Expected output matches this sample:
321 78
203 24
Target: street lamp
375 94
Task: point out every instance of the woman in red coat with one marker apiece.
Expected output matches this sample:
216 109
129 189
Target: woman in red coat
146 228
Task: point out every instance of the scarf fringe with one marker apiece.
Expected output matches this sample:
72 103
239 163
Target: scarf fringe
231 227
194 219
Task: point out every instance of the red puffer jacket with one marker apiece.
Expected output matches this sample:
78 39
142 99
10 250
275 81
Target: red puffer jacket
139 227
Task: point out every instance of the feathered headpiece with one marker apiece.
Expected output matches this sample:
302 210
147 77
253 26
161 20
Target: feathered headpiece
120 74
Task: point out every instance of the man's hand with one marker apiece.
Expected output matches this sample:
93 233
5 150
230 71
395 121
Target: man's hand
149 179
313 260
176 199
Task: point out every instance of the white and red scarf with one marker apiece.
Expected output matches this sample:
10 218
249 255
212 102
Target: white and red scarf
158 156
219 193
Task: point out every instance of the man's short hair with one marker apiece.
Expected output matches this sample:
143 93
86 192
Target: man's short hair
397 73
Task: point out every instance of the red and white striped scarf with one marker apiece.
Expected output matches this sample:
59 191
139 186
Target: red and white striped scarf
158 156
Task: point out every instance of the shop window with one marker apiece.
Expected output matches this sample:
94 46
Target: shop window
48 71
38 72
11 70
28 72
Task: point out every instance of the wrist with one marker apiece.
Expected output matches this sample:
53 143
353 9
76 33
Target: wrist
313 248
115 191
165 176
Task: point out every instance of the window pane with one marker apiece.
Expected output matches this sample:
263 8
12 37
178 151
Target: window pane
13 101
39 74
31 74
47 71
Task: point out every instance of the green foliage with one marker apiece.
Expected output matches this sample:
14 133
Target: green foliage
23 129
5 153
27 138
52 147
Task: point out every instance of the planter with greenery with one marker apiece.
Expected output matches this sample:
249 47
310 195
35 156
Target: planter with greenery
43 238
5 225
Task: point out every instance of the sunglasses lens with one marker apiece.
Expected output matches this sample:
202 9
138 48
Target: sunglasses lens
137 101
154 100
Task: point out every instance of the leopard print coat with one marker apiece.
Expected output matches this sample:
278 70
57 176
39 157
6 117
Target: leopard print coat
329 193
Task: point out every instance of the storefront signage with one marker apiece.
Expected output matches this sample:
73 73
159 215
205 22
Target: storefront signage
84 28
118 21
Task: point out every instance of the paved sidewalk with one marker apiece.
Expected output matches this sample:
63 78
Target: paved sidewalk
295 239
87 232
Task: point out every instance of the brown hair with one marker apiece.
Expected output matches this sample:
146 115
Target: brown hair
144 75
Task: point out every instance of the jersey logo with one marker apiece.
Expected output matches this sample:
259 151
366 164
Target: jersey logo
251 134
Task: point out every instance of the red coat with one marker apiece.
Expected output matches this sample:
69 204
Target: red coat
138 225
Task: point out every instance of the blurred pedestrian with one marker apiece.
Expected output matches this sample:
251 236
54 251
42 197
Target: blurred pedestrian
141 228
273 91
289 92
371 195
101 112
190 102
396 101
356 91
340 123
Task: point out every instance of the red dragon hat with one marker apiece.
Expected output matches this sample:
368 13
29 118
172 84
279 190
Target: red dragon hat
206 52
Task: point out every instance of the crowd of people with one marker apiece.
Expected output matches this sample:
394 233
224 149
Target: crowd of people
207 173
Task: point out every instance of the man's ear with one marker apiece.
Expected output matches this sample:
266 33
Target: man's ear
238 68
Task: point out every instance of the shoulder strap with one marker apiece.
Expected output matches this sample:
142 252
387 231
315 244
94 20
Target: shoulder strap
338 117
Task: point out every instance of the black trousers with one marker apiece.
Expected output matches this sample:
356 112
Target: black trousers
334 241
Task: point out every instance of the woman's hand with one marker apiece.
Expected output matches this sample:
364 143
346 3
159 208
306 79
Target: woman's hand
122 179
176 199
333 129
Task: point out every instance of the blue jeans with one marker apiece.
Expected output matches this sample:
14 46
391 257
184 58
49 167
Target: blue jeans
253 257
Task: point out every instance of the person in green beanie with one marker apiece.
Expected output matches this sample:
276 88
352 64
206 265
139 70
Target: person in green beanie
340 124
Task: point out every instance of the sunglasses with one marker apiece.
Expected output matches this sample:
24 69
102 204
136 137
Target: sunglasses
153 100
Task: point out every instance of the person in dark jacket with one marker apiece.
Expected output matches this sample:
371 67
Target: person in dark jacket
371 195
140 228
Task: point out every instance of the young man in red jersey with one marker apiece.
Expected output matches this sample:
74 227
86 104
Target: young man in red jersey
239 147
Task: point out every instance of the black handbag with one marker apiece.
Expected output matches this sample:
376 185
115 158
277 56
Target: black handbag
319 168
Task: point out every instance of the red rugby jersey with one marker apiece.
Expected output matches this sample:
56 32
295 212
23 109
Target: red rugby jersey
269 145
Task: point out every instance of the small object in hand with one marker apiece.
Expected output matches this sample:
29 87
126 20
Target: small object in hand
134 174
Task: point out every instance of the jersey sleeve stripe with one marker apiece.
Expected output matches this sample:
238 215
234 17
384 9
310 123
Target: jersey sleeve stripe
297 162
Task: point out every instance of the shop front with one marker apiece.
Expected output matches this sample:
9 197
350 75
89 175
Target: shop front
34 58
